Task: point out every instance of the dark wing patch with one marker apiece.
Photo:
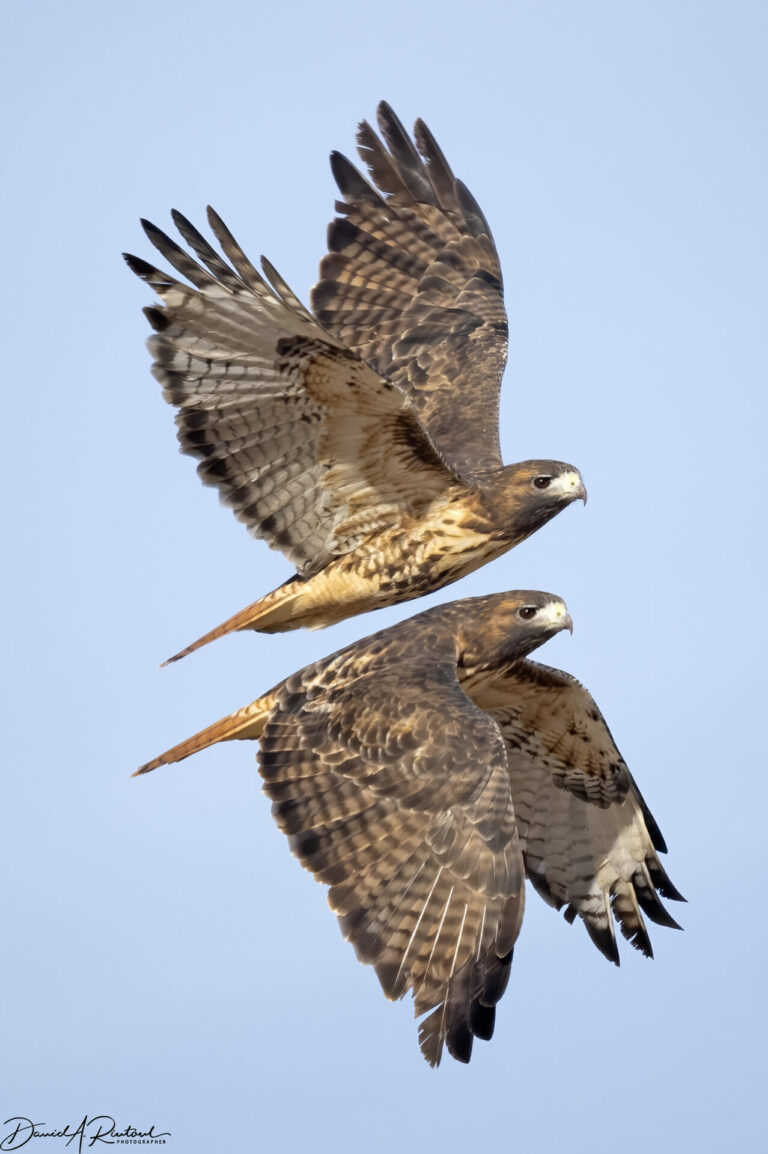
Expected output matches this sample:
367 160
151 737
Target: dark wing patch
588 839
393 789
302 439
412 283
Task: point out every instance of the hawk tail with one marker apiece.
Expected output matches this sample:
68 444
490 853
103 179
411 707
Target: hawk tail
244 724
271 614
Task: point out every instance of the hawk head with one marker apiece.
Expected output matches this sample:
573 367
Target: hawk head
527 495
505 627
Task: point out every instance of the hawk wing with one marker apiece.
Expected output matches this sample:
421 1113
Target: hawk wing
412 283
589 841
307 444
393 789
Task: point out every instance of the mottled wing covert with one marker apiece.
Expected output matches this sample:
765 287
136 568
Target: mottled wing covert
393 789
412 283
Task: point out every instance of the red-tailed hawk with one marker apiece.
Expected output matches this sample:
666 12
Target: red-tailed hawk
424 772
362 441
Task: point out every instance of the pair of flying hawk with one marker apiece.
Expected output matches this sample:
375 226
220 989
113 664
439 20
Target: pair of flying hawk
424 772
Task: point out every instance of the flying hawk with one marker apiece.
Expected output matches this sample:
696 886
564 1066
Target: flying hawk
424 772
361 441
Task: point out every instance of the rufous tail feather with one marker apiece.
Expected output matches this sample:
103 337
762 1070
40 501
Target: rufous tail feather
244 724
268 614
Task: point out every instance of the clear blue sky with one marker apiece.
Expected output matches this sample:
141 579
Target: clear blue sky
164 957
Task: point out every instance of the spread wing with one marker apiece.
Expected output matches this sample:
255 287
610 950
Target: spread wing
412 283
588 839
305 442
393 789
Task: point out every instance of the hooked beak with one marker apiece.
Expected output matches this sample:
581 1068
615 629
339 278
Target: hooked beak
571 486
555 616
576 487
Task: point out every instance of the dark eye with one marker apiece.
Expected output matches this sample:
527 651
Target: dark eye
541 482
527 612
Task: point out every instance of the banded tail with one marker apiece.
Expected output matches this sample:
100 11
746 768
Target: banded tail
244 724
